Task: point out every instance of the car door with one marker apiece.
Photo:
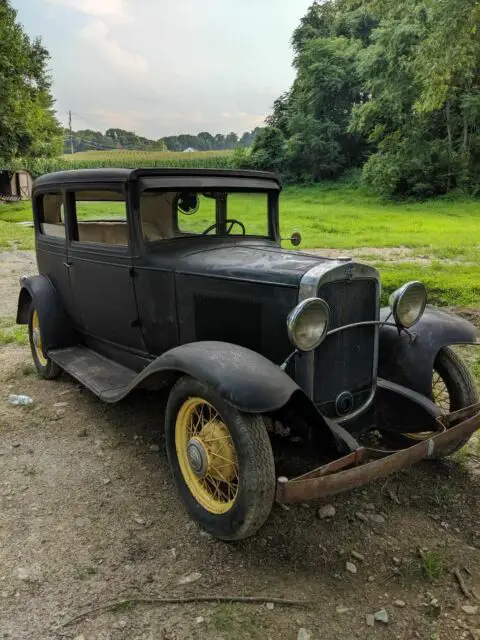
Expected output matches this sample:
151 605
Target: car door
100 266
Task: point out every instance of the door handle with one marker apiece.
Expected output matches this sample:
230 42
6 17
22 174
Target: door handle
67 264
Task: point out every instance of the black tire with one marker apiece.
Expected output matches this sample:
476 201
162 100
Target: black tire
256 468
47 369
460 390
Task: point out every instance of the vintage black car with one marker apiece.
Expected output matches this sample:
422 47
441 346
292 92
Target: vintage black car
175 279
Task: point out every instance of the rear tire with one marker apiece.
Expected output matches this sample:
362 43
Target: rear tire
221 460
46 368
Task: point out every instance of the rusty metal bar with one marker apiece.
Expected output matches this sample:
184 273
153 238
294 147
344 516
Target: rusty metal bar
342 474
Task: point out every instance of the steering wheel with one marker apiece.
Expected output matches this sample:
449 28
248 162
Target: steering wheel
230 222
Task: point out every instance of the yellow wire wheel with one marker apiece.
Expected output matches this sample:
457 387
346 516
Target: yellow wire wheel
207 455
221 459
46 368
37 340
453 388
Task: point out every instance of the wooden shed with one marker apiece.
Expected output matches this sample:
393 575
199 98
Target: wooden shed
15 185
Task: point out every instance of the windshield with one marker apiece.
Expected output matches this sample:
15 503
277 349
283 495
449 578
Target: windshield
169 214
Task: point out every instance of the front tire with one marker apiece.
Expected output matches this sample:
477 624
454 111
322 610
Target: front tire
46 368
453 388
221 460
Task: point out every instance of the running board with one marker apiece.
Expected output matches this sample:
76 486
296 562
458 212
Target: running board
106 378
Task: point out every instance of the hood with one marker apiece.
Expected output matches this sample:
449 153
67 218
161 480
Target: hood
258 263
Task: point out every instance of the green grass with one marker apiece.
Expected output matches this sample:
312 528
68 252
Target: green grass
442 233
11 332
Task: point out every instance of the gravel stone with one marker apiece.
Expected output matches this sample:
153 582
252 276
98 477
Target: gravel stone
351 567
327 511
191 577
381 616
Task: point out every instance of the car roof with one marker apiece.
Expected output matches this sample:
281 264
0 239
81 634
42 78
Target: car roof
84 176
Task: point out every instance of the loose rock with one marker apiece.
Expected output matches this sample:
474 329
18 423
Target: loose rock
470 609
58 405
399 603
370 506
358 556
342 609
370 619
361 516
351 567
139 520
270 606
154 447
199 620
303 634
381 616
191 577
376 517
327 511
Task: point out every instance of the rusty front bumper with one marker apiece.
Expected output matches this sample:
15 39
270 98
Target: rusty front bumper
364 464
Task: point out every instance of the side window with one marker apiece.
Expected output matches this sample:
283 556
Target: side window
195 212
51 215
100 217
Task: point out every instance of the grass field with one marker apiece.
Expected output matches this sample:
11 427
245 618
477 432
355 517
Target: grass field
438 241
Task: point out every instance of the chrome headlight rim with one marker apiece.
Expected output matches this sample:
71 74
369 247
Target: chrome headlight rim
295 316
398 296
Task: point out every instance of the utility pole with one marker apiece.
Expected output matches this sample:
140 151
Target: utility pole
71 133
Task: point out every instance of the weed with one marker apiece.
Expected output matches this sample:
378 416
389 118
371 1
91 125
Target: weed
233 622
432 567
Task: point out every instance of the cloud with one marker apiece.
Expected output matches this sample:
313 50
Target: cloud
96 36
116 10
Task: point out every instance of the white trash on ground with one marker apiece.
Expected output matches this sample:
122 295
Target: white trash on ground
19 400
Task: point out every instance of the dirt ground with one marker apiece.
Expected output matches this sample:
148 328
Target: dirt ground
90 515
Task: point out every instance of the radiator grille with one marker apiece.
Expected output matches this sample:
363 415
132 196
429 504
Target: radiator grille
344 362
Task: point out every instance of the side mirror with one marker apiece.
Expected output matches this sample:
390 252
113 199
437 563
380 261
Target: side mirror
295 238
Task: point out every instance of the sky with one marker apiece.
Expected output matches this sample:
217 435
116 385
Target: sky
164 67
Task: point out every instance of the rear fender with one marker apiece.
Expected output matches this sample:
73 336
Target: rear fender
410 362
55 326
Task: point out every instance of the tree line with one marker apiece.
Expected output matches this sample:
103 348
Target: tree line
391 87
89 140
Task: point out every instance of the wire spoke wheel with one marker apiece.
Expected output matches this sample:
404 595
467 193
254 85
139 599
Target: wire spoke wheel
453 388
440 394
37 339
207 455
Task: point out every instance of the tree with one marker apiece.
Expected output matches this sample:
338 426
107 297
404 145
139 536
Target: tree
423 111
28 126
269 150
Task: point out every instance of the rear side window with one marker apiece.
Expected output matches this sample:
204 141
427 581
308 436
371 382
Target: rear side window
100 217
51 215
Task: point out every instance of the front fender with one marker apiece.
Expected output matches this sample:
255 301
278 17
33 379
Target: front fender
56 329
246 379
410 363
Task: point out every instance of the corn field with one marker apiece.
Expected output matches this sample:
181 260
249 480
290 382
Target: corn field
129 160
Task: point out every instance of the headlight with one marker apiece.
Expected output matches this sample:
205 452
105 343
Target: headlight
408 303
307 324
